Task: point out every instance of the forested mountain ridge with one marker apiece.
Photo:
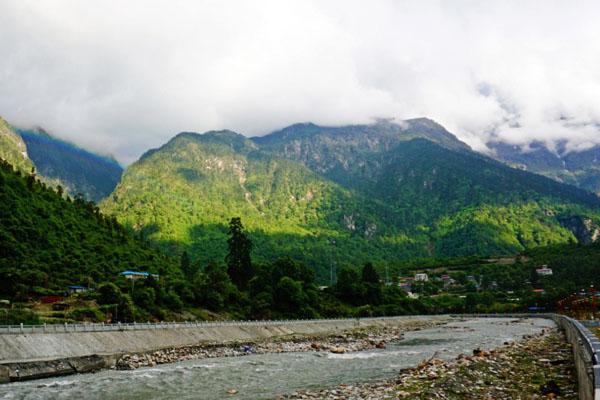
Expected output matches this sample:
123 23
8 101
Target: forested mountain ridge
378 192
341 152
58 162
78 170
187 190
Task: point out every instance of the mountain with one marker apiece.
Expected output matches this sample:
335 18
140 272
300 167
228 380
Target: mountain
77 170
342 152
579 168
58 162
332 196
186 192
13 149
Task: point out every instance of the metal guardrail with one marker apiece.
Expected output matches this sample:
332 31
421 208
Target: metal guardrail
592 344
136 326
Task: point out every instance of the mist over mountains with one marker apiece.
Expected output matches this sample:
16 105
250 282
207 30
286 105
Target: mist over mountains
579 168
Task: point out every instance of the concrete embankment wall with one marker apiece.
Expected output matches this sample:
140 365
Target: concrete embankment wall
586 352
34 355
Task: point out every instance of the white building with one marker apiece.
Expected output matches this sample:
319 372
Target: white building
544 270
421 277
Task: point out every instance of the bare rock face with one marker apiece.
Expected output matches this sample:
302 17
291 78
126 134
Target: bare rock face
585 230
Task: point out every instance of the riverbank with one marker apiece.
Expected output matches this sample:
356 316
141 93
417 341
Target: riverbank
34 356
346 341
540 366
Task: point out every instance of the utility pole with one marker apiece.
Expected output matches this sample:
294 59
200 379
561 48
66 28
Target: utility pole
593 291
331 274
332 267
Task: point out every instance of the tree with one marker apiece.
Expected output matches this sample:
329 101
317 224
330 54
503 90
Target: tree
188 269
289 296
369 274
349 286
371 283
109 293
239 263
215 288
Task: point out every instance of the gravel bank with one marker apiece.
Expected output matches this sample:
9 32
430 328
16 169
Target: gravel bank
351 340
538 367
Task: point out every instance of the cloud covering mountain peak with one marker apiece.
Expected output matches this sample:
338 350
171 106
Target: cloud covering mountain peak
123 78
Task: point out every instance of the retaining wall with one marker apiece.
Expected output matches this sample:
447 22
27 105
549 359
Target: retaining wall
42 354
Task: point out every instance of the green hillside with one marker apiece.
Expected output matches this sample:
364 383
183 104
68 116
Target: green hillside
343 196
49 242
185 192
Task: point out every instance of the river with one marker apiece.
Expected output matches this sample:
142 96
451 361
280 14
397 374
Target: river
266 375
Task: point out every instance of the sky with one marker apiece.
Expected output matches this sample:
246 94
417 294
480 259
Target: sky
122 77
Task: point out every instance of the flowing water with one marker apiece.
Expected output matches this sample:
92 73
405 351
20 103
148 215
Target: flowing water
266 375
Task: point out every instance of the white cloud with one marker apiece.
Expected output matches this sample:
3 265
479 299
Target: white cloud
122 77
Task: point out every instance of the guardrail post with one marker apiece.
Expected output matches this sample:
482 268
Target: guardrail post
44 329
21 327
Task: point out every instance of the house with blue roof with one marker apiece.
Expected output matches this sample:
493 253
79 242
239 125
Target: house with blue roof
135 275
76 289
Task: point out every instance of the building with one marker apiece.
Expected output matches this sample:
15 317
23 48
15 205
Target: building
76 289
135 275
51 299
406 286
421 277
473 281
544 270
60 306
447 280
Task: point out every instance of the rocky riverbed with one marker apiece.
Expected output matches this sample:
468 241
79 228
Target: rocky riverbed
352 340
539 367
